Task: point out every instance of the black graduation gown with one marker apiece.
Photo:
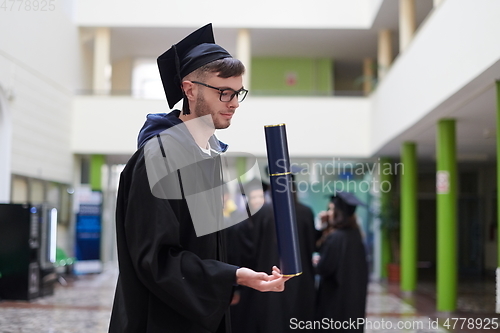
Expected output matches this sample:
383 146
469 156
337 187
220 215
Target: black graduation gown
271 312
170 280
344 277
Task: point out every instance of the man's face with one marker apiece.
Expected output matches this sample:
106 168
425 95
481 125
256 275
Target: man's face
331 211
208 100
256 200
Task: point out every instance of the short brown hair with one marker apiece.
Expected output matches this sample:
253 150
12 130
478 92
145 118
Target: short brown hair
225 68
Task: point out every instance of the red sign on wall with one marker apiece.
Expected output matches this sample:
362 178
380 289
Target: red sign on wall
291 79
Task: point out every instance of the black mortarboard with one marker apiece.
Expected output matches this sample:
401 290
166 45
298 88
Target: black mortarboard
194 51
346 202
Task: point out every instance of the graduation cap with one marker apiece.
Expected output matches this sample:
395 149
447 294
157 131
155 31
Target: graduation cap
346 202
191 53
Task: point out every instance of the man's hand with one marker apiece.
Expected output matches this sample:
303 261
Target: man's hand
236 298
261 281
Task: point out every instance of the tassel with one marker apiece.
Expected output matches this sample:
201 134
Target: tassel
185 104
177 65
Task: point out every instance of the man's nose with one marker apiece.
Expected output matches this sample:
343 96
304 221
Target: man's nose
233 103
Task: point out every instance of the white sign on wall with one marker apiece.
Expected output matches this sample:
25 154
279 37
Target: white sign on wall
443 182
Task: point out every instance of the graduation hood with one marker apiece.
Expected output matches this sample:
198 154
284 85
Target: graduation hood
156 123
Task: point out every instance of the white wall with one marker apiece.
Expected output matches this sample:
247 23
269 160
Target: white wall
5 147
458 42
46 41
322 127
354 14
316 126
109 125
39 64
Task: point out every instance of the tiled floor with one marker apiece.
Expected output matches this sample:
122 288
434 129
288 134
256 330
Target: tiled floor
83 306
386 312
475 307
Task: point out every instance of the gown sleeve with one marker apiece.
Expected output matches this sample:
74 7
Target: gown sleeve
330 256
199 290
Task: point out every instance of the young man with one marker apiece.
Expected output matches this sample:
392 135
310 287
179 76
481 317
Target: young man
170 246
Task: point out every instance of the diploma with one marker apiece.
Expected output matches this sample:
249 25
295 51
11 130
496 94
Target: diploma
283 201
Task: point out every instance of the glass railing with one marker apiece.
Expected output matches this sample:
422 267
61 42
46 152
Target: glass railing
254 93
305 93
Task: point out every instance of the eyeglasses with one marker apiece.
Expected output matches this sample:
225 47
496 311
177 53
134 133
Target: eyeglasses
227 94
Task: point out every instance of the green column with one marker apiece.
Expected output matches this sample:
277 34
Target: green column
96 163
446 186
409 217
386 177
498 173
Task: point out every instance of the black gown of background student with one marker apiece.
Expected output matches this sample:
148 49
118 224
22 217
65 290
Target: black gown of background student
344 277
271 312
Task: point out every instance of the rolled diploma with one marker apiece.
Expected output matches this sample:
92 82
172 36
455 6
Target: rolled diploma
283 201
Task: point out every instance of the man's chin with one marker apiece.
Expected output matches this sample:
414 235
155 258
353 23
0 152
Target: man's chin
223 126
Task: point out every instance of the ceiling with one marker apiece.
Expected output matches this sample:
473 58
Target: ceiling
474 106
474 109
339 44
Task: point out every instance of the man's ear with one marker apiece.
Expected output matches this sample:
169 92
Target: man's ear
189 90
